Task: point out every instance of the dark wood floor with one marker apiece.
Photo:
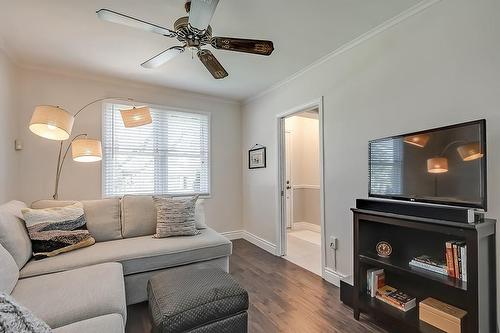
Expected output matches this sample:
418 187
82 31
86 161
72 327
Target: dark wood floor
283 297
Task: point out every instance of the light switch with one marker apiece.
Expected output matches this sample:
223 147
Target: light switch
18 144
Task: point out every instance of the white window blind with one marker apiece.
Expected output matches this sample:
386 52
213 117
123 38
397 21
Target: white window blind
386 167
168 156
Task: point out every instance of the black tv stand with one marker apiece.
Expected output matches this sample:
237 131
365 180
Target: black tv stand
412 236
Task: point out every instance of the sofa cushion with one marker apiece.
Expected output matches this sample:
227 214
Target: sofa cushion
199 214
13 234
103 216
139 215
63 298
111 323
138 254
9 272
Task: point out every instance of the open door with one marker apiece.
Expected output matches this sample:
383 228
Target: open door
288 180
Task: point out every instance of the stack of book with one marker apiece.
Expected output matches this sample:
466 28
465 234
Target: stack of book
430 264
456 259
454 266
396 298
375 279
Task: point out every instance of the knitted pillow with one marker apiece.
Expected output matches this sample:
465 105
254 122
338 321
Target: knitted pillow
175 216
57 230
15 318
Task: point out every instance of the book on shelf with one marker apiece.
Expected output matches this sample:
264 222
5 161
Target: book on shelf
456 259
449 259
442 269
396 298
375 278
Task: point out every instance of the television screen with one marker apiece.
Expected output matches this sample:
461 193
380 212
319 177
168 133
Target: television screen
444 165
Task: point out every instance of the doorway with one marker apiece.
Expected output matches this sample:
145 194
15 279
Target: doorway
301 177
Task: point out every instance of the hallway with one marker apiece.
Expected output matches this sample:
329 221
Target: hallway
303 249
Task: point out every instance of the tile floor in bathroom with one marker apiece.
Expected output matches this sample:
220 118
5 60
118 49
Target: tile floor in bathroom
304 249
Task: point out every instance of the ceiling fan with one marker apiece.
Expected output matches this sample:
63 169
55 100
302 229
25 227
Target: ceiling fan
195 32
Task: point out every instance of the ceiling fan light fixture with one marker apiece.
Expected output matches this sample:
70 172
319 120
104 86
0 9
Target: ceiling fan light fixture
194 32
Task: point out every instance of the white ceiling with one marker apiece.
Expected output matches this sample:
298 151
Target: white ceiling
66 34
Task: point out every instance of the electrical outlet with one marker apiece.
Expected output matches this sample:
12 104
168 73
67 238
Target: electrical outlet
333 242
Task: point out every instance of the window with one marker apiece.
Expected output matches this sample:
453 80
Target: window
386 167
169 156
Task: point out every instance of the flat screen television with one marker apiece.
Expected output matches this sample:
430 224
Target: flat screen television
444 165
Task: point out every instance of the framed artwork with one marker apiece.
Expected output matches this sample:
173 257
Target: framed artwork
257 158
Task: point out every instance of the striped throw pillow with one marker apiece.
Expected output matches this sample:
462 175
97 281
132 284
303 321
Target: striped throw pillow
57 230
175 216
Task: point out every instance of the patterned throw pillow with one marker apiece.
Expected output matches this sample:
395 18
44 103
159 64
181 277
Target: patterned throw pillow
57 230
175 216
15 318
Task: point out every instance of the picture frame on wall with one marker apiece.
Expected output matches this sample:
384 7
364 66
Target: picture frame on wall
257 158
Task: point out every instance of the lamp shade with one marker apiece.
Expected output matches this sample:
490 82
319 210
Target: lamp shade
86 150
470 152
437 165
51 122
419 140
136 116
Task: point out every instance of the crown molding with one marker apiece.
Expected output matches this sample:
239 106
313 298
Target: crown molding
412 11
8 53
111 79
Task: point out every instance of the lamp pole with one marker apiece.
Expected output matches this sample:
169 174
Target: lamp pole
61 158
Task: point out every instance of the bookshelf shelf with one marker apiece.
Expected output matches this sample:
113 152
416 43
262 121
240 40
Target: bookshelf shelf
402 267
411 237
407 321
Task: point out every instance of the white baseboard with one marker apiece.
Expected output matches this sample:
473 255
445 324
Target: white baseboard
333 277
260 242
306 226
232 235
255 240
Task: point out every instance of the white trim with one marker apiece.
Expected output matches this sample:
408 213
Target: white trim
306 186
232 235
412 11
306 226
260 242
279 199
104 103
333 277
249 237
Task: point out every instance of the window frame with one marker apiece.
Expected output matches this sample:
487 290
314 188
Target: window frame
106 102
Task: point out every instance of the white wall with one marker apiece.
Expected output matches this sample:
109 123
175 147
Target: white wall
8 129
439 67
83 180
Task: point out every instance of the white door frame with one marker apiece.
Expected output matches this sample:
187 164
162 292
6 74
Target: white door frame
280 198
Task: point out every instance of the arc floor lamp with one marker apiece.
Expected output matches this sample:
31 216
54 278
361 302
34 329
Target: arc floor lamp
55 123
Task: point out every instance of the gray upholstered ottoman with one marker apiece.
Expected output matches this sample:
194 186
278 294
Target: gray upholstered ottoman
206 300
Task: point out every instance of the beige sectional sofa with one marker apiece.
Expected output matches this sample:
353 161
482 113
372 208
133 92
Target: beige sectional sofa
91 287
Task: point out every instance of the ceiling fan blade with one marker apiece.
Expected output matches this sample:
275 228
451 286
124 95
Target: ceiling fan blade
163 57
115 17
201 13
254 46
212 64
